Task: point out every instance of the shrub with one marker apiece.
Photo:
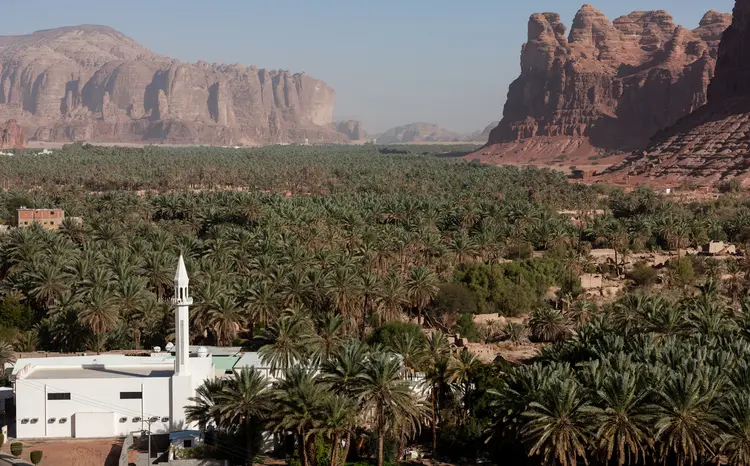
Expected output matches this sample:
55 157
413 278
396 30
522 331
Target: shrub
36 456
16 448
516 332
730 186
466 327
2 440
394 331
643 274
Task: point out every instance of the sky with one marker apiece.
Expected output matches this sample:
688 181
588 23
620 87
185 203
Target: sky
391 62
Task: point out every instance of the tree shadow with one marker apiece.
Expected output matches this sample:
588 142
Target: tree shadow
113 457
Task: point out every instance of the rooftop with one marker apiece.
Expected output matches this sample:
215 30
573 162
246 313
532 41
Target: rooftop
100 371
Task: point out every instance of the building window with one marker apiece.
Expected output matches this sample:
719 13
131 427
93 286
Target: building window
229 372
63 420
136 419
187 443
58 396
165 419
51 420
34 420
131 395
52 213
123 420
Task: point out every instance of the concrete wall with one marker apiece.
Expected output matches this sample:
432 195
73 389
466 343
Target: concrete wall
127 444
90 396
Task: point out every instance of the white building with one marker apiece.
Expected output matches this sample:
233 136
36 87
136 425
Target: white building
112 395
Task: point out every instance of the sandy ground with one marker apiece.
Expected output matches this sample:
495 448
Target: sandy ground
98 452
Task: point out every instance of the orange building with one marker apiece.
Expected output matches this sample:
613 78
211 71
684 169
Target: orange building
49 219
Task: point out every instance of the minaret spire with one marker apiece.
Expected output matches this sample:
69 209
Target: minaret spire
181 301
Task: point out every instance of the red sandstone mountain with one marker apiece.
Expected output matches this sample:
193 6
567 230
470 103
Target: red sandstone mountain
606 86
12 136
713 142
93 83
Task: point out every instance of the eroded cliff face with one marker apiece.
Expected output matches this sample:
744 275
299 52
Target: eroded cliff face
608 85
12 136
712 143
353 129
93 83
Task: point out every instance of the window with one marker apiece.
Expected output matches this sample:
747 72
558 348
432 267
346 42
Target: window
34 420
123 420
229 372
63 420
51 420
131 395
25 421
136 419
187 443
58 396
52 212
165 419
153 419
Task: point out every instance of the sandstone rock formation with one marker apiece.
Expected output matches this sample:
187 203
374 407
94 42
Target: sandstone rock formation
12 136
353 129
418 132
93 83
606 86
484 135
713 142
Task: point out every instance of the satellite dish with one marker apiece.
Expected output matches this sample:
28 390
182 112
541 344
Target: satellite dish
202 352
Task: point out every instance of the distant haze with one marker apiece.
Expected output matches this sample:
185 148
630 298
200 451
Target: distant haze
391 62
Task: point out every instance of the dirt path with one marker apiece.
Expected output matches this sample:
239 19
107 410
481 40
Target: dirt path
95 452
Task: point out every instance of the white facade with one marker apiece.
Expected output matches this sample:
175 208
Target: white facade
111 395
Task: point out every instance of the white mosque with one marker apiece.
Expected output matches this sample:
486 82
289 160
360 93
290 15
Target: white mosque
113 395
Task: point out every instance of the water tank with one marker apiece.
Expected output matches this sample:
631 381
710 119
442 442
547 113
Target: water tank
202 352
157 349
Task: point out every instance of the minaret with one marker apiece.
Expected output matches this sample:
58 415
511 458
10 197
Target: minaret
181 302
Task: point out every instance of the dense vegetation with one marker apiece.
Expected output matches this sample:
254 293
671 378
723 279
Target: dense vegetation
307 252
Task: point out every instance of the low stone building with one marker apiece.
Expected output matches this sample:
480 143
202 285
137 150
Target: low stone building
591 281
718 248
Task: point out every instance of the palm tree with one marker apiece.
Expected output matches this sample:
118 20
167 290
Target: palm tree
557 423
686 420
421 287
286 344
246 399
299 405
435 355
621 418
734 441
548 325
48 283
383 392
461 369
7 356
338 419
391 299
100 313
225 320
325 344
204 409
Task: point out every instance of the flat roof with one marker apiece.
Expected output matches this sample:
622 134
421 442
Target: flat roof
100 372
97 360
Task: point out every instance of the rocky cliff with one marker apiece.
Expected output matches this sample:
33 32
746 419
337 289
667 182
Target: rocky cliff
94 83
353 129
607 85
713 142
12 136
416 133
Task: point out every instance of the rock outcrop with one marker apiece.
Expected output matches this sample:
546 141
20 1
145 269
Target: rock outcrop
93 83
484 135
608 86
713 142
416 133
12 136
353 129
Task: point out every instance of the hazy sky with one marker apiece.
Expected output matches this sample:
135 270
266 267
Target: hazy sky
391 62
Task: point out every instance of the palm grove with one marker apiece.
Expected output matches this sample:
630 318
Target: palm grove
317 254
